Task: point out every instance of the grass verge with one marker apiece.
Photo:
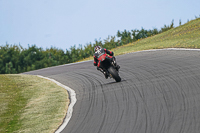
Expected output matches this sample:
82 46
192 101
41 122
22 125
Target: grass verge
185 36
30 104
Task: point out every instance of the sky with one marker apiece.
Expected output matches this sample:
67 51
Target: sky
65 23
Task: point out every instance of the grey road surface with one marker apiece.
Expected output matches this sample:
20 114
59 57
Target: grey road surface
159 93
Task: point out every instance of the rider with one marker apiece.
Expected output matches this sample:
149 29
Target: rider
98 51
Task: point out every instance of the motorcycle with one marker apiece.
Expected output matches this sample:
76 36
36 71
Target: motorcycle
110 66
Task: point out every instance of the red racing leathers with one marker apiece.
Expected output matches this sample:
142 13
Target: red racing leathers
99 54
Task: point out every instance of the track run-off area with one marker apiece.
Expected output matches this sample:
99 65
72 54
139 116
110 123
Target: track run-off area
159 93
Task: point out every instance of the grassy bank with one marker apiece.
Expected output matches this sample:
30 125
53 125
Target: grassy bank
184 36
30 104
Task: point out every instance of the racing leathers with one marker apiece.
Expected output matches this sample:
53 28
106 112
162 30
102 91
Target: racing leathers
97 59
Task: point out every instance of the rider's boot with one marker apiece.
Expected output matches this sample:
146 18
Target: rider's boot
118 67
104 72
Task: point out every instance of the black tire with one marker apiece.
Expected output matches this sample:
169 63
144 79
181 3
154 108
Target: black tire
114 74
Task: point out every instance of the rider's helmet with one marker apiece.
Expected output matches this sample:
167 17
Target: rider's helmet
97 48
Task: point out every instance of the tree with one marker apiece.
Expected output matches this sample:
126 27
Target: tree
172 24
155 31
119 34
9 68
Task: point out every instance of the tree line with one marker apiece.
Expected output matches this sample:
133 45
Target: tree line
16 59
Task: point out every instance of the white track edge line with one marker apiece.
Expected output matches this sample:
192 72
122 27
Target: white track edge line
72 96
152 50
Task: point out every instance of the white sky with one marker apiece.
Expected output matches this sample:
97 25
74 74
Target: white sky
63 23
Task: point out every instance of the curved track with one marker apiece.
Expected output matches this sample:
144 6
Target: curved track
159 93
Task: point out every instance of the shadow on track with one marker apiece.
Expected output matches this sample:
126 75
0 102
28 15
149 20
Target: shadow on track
114 82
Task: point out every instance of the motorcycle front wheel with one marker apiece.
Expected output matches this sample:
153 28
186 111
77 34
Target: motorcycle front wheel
114 74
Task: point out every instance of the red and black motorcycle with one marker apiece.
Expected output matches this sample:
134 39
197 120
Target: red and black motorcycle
110 66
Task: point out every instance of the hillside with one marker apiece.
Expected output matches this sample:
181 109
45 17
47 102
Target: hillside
184 36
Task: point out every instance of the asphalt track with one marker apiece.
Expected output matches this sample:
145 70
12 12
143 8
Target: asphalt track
159 93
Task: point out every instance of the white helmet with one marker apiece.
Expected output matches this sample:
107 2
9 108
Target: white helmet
97 48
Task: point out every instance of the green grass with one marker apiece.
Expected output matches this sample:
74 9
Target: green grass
184 36
30 104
